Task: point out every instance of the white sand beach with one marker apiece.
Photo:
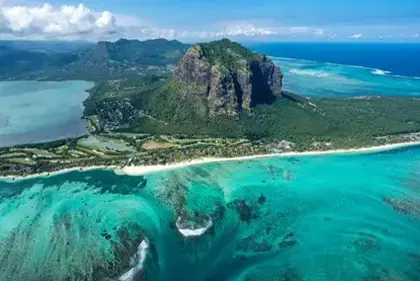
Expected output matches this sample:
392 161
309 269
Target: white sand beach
142 170
147 169
58 172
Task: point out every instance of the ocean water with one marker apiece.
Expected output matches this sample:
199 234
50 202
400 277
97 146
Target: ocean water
337 217
347 69
324 79
33 111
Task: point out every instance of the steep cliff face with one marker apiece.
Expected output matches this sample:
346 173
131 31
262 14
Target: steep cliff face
223 78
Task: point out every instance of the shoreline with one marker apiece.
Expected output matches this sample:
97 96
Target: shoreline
55 173
148 169
143 170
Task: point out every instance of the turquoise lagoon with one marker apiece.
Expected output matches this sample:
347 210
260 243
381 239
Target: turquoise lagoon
324 79
34 111
336 217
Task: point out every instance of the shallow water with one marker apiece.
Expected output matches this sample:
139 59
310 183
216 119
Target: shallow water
33 111
323 79
348 217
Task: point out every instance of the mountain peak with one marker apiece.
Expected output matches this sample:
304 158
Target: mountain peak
223 78
126 55
226 53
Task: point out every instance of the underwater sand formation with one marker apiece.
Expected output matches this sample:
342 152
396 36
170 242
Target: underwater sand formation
195 225
98 226
137 263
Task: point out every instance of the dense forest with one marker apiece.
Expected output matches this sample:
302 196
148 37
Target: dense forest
94 62
152 102
346 122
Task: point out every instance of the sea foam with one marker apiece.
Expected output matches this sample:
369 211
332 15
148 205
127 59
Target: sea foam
324 79
137 262
313 73
187 232
380 72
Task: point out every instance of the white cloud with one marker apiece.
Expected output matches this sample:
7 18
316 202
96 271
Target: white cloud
319 32
410 35
389 36
356 36
246 29
52 22
70 22
80 22
235 29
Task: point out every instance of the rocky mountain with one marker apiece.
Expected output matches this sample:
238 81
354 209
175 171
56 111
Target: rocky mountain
222 78
92 62
17 61
127 57
135 52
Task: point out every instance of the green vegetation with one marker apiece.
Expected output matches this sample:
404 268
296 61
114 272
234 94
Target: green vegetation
150 52
291 123
105 60
343 122
226 53
146 118
143 149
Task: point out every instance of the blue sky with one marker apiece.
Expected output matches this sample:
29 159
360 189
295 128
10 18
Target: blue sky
286 11
322 20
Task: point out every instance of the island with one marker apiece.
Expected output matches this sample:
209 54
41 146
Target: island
160 102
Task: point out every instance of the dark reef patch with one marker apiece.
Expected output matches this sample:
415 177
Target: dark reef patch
288 241
262 199
253 244
246 211
279 273
405 206
366 243
102 180
378 273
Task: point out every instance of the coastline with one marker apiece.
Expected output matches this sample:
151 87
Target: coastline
143 170
55 173
148 169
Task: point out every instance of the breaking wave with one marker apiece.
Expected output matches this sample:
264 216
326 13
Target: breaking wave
313 73
380 72
324 79
137 262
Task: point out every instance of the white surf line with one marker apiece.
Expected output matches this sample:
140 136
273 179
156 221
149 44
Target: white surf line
188 232
147 169
138 261
143 170
58 172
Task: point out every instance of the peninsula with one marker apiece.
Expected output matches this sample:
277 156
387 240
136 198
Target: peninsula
219 101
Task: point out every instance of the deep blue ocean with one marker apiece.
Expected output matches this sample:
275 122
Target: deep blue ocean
398 58
347 69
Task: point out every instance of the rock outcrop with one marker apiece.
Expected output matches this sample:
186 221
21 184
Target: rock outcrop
224 78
